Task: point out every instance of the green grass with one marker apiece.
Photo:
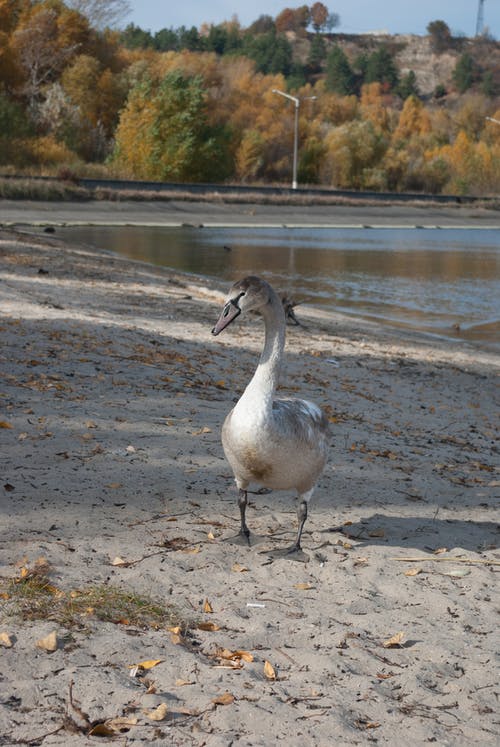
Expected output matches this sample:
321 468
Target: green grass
36 598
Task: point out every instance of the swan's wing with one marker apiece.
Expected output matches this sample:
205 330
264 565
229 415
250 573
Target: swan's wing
301 420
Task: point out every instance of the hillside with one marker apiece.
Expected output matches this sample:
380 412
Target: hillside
391 113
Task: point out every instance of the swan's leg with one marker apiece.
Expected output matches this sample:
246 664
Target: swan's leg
242 505
244 536
295 552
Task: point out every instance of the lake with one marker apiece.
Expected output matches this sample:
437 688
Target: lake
440 281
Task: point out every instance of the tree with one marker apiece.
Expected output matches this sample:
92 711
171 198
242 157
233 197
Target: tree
440 36
290 19
317 53
271 52
380 67
319 16
408 85
339 74
464 73
164 133
133 37
44 44
101 13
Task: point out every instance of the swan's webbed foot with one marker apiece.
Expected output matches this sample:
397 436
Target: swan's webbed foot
246 539
295 552
245 536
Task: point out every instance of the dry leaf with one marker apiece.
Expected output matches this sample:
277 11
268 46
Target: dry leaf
211 536
413 571
49 643
5 424
225 653
224 699
101 730
211 627
114 485
157 714
119 561
237 568
303 587
395 640
183 683
440 550
6 640
269 671
207 607
148 664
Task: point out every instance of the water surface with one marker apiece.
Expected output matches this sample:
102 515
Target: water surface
441 281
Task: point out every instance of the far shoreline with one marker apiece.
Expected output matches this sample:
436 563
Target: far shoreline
221 214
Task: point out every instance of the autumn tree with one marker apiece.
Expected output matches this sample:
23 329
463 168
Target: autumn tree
164 134
319 16
45 41
293 19
353 152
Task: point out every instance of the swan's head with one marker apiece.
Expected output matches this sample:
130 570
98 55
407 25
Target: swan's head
248 294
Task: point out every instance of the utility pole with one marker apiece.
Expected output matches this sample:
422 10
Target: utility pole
480 18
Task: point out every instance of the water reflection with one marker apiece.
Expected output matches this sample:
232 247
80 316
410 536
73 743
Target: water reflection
433 280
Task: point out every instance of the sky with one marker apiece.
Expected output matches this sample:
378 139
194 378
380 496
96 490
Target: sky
356 16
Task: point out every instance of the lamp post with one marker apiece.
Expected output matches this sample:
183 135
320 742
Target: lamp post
296 101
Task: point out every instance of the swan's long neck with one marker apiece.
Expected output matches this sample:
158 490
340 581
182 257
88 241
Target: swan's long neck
263 384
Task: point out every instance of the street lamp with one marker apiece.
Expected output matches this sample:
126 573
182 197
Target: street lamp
296 101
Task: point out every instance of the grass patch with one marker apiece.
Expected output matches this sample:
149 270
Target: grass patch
32 596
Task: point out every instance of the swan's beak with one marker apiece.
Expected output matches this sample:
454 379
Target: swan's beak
229 313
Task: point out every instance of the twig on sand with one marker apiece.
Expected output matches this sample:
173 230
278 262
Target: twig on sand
477 561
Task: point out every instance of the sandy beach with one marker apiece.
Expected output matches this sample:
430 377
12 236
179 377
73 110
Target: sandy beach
114 490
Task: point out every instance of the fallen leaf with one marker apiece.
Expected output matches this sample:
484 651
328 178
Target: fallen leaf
157 714
237 568
224 699
114 485
211 536
49 643
303 587
183 683
393 641
269 671
5 424
207 607
6 640
225 653
119 561
148 664
440 550
101 730
413 571
211 627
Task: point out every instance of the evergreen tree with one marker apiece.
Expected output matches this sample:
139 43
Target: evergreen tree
464 73
339 74
380 68
408 86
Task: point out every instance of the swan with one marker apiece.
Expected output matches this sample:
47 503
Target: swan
278 443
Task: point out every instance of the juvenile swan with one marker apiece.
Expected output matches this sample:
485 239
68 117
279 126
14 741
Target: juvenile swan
275 442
